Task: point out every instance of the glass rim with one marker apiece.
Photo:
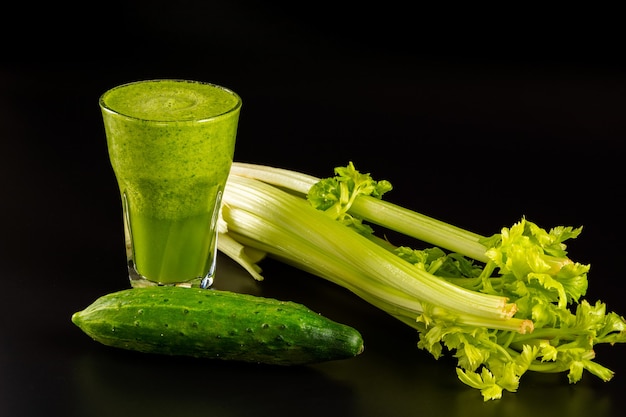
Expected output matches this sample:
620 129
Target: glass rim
105 106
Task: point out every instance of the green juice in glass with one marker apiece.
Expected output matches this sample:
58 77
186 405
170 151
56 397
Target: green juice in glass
171 145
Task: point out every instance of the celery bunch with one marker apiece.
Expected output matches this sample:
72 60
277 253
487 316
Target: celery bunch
505 304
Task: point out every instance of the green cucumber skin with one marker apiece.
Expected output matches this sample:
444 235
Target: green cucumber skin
216 324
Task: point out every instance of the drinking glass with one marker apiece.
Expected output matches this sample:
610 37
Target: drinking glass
171 145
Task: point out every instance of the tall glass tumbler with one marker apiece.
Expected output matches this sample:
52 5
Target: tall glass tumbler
171 145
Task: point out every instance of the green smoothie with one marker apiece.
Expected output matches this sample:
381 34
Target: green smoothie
171 144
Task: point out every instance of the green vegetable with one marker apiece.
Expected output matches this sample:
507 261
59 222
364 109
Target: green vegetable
216 324
505 304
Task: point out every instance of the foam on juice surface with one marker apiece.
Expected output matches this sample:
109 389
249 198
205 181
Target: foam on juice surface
170 100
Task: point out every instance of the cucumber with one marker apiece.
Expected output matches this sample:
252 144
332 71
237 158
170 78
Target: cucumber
216 324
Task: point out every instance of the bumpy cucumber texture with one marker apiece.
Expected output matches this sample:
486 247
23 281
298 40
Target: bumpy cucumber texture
216 324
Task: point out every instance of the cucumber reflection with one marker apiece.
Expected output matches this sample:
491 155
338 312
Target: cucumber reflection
109 382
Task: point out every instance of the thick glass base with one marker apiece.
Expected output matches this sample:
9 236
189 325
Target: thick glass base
139 281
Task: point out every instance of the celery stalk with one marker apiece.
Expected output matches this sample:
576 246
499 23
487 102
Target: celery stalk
389 215
316 229
503 319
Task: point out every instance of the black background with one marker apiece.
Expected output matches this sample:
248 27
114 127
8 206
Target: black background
477 117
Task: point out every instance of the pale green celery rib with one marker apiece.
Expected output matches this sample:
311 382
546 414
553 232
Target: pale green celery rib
520 326
241 254
380 212
280 177
295 215
419 226
254 231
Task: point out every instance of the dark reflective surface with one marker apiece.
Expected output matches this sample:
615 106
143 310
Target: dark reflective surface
478 140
